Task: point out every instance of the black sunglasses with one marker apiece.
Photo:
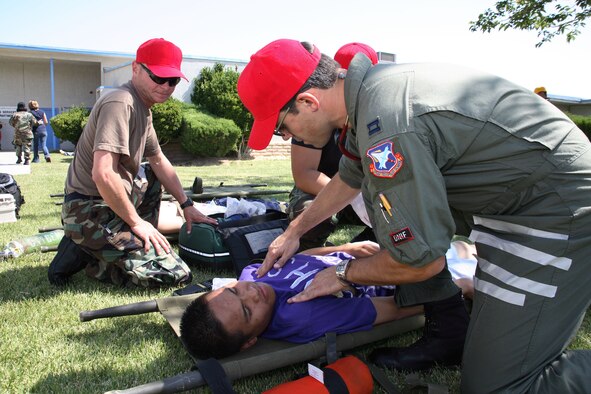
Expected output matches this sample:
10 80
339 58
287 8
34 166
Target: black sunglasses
277 130
172 81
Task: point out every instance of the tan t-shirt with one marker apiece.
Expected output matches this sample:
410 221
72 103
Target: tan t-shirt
119 123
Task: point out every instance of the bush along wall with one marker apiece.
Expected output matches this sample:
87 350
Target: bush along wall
582 122
68 125
204 135
167 118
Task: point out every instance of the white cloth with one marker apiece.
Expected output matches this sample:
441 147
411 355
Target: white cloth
359 207
221 282
459 267
242 206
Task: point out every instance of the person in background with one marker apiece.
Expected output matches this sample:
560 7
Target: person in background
39 132
312 168
542 92
23 123
112 199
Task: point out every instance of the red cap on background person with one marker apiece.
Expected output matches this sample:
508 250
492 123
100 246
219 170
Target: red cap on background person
272 77
161 57
347 52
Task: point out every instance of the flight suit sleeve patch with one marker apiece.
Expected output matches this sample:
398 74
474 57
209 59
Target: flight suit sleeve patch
385 163
401 236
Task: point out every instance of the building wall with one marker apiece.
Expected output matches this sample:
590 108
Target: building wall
74 82
578 109
30 79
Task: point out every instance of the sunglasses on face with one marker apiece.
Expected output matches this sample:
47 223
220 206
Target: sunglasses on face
172 81
277 130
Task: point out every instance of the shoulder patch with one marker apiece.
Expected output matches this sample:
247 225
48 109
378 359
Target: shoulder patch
401 236
385 162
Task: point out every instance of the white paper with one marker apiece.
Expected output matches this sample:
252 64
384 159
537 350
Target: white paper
316 373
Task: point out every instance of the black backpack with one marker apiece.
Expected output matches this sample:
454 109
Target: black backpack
8 186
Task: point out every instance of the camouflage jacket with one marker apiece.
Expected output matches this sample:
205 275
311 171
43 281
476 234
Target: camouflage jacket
22 122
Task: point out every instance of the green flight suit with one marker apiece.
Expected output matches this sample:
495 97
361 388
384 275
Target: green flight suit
454 150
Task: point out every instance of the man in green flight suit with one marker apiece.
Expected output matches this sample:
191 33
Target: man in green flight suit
438 150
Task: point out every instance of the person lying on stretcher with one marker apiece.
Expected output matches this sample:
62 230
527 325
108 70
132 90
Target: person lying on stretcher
230 319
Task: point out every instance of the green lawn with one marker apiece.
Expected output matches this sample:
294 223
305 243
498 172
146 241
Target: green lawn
44 348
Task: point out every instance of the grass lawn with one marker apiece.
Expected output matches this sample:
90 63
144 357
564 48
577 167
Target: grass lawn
44 348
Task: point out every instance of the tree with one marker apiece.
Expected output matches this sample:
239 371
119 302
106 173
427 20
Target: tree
549 18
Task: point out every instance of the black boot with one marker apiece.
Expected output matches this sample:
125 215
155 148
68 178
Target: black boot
69 259
442 343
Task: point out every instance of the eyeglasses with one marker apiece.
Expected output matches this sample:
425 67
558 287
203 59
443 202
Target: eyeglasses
172 81
277 130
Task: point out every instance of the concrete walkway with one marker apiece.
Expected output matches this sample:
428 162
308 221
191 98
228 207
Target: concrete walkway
8 164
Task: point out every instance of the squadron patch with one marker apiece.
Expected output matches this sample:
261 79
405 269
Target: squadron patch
374 127
401 236
385 162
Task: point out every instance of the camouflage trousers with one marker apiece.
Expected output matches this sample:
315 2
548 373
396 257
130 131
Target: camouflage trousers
119 253
22 143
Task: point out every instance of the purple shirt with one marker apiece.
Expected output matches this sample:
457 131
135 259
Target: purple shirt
306 321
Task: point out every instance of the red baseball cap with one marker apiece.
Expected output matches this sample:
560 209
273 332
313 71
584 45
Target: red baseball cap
271 78
162 57
347 52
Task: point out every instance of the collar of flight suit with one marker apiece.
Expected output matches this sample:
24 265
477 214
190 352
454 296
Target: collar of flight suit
355 76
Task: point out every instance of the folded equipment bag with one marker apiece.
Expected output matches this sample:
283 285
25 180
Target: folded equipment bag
204 247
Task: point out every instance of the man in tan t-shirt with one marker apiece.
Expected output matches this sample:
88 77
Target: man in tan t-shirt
110 210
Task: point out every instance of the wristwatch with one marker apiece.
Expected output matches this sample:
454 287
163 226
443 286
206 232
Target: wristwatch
342 267
188 202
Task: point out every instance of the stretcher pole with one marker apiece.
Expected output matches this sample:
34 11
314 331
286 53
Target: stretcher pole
122 310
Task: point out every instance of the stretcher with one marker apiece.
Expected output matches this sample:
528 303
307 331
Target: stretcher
244 191
264 356
200 193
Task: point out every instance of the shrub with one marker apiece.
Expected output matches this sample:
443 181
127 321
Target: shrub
204 135
68 125
167 118
582 122
215 92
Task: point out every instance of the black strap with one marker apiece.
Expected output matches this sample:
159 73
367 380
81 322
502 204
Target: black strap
415 381
380 377
79 196
334 383
213 373
331 347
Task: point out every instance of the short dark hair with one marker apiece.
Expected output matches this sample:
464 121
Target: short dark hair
324 77
203 334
